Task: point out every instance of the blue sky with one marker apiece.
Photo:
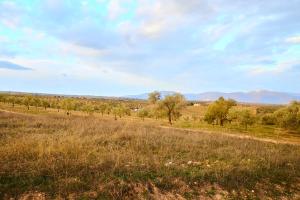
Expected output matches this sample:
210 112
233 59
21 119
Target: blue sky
120 47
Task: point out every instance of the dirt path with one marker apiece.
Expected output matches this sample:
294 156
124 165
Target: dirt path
241 136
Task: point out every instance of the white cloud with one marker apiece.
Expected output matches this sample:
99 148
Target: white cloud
81 70
294 40
163 16
69 48
275 70
115 9
10 14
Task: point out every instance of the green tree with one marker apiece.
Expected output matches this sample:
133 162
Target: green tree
103 108
157 112
68 105
2 98
55 103
88 108
217 112
115 111
12 100
289 117
172 105
36 102
45 103
154 97
245 118
28 101
142 113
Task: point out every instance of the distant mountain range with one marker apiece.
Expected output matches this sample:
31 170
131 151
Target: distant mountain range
261 96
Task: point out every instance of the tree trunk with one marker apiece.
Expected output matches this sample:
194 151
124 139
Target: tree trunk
170 118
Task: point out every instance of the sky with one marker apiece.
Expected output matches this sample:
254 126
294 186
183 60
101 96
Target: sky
122 47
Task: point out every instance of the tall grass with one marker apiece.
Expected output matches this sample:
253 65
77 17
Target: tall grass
89 157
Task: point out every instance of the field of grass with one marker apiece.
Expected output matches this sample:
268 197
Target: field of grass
52 155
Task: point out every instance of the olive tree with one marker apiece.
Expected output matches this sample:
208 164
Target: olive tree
172 105
68 105
45 103
289 117
103 108
245 118
217 112
154 97
142 113
27 101
12 100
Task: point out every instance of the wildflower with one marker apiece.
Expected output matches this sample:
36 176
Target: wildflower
168 164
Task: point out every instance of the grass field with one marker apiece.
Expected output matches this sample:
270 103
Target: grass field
50 155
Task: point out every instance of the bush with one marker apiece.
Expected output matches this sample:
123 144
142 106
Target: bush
289 117
217 112
268 119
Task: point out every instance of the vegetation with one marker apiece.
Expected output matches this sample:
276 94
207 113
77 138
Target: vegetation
289 117
154 97
171 105
226 113
88 157
217 112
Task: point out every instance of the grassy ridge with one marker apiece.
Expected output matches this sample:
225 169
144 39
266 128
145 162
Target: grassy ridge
91 157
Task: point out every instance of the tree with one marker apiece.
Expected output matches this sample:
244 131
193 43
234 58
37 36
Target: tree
217 112
142 113
68 105
36 102
245 118
171 105
154 97
27 101
116 111
158 113
55 103
267 119
2 98
12 100
45 104
102 108
88 108
289 117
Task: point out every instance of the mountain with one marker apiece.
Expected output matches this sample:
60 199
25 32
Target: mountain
260 96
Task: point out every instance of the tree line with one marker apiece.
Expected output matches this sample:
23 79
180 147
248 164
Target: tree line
223 111
220 112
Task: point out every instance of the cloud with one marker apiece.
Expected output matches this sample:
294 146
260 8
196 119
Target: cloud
12 66
10 14
293 40
115 9
161 17
276 69
150 41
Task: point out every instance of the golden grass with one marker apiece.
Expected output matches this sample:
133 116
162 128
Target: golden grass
92 157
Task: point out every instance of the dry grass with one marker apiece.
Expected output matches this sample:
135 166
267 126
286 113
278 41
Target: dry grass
90 157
